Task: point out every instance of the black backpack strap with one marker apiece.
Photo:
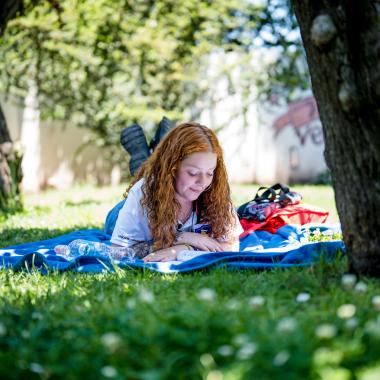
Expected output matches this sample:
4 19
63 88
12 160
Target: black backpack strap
269 195
281 187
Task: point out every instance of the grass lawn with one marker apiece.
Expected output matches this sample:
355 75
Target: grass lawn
312 323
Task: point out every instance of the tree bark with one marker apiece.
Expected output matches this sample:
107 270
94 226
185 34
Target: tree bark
5 153
342 43
9 186
8 9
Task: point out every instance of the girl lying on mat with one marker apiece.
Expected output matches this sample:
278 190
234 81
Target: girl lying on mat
179 199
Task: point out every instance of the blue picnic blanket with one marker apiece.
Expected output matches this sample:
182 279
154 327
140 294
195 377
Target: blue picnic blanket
288 247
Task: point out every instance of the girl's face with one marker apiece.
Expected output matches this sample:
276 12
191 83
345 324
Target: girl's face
194 174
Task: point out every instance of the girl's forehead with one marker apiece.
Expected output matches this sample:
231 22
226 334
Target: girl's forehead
200 160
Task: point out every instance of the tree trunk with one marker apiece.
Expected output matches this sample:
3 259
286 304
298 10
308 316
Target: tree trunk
8 9
342 43
5 172
10 170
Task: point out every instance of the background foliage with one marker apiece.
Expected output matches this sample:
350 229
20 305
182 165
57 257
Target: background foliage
105 64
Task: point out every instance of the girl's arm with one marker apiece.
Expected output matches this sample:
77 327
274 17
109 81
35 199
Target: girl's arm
166 254
141 248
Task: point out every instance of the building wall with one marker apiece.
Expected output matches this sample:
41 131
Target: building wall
55 153
267 145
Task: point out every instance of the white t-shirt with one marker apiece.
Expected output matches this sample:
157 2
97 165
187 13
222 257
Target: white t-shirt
132 224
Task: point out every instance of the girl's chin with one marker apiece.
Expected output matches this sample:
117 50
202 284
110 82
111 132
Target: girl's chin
190 195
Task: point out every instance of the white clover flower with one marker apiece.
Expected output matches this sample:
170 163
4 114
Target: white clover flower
215 374
3 329
246 351
225 350
348 281
36 315
281 358
287 324
256 302
207 360
361 287
303 297
206 294
25 334
352 323
325 331
376 302
111 341
372 327
79 308
109 371
37 368
233 304
146 295
346 311
240 339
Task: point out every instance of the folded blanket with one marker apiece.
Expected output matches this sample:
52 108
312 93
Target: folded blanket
292 214
288 247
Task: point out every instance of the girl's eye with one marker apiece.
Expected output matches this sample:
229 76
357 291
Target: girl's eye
210 174
192 174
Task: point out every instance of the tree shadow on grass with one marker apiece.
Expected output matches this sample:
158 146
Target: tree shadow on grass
86 202
19 235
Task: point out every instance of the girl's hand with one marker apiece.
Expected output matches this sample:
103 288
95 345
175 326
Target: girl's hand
166 254
200 241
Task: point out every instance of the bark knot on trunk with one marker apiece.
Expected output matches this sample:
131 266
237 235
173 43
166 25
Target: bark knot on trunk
323 30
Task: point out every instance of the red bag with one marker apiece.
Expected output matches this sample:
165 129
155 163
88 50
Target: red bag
263 205
292 214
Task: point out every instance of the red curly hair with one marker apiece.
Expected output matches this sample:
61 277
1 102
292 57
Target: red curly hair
214 205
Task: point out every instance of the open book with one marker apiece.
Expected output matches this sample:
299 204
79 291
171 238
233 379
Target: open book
188 255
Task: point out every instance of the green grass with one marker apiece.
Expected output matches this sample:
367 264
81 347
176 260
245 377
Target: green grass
208 325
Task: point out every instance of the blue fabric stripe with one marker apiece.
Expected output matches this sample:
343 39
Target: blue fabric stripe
288 247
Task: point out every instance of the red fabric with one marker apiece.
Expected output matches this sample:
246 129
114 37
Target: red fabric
292 214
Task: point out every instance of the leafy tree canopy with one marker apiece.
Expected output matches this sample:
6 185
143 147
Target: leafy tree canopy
103 64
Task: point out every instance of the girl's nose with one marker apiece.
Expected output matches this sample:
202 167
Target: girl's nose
201 180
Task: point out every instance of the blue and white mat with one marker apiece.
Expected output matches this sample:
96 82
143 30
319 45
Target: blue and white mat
288 247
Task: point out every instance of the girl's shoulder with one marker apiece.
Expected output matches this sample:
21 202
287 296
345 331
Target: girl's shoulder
136 188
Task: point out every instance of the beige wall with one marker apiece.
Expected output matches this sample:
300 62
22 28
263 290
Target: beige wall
253 151
60 162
